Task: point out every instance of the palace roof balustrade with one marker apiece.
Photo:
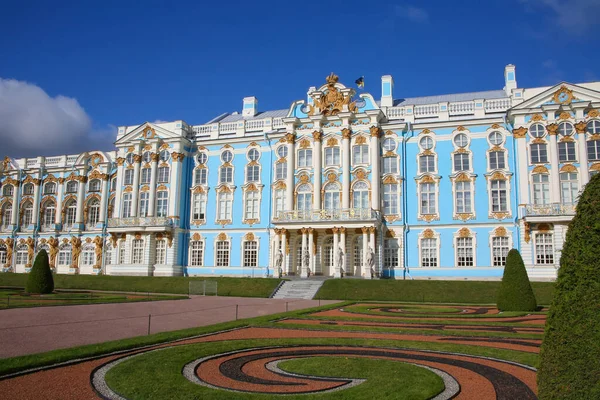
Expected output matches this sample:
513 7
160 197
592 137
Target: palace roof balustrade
328 216
549 212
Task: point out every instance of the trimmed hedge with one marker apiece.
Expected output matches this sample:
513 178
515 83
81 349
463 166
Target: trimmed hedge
515 293
570 353
40 280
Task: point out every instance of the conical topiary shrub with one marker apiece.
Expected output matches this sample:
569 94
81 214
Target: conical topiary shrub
515 292
40 278
570 354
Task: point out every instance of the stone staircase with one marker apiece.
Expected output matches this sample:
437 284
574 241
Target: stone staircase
298 289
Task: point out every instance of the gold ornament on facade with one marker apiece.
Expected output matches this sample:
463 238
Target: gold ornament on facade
169 237
88 240
304 143
500 231
223 222
426 179
537 118
496 148
390 180
149 132
317 136
500 215
146 166
144 188
462 177
425 131
130 149
465 216
332 142
331 177
120 161
460 128
563 95
98 251
249 236
543 228
290 138
227 146
30 251
581 127
464 233
196 237
565 139
564 115
360 140
593 113
427 153
538 140
251 188
222 236
498 176
391 218
540 169
250 221
332 101
148 147
50 178
161 187
6 164
360 174
304 178
375 131
527 229
30 179
137 158
75 251
199 190
128 189
552 129
11 181
428 234
595 167
346 133
389 154
390 133
495 126
178 156
98 175
519 133
224 189
280 185
165 146
53 250
430 217
461 150
61 180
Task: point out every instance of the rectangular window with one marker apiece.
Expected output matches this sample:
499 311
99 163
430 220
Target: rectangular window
304 202
126 205
222 254
541 189
108 256
390 199
569 187
332 156
499 251
279 202
544 249
539 153
332 200
497 160
593 150
146 175
200 176
28 217
280 170
360 155
3 255
163 175
21 256
429 252
199 207
250 254
197 253
122 252
128 178
252 173
161 252
252 205
463 197
226 175
390 165
225 206
71 214
464 252
499 195
426 164
162 203
64 256
94 214
304 158
137 251
428 198
390 253
566 151
461 162
7 216
144 197
87 257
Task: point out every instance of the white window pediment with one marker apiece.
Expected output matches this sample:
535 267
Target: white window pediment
563 93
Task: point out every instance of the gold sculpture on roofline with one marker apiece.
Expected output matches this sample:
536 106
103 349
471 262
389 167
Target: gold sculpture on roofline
332 101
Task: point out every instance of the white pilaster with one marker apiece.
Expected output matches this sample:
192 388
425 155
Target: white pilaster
136 185
336 244
372 245
103 199
152 197
80 200
36 202
365 242
311 250
59 201
343 247
119 189
346 168
583 159
303 268
289 195
317 170
284 250
175 184
554 181
522 164
375 178
15 206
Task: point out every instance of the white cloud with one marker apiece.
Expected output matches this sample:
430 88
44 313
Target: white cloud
571 16
34 124
412 13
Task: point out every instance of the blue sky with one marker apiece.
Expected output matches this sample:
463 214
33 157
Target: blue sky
72 71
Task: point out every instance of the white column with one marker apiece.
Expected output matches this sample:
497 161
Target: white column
104 199
346 133
136 184
311 250
175 183
521 144
554 181
36 201
372 245
343 247
336 244
289 195
59 201
365 242
15 205
303 268
80 201
284 250
119 189
583 159
375 178
152 197
317 170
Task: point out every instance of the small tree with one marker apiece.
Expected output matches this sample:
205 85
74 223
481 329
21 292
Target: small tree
40 278
515 292
570 353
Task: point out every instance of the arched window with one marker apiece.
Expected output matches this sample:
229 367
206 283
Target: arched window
225 205
163 174
499 196
196 253
49 215
147 157
87 256
72 186
64 255
22 254
360 193
94 185
304 197
428 203
126 205
331 201
70 213
8 190
222 253
390 253
27 218
50 188
143 209
162 203
541 189
28 189
279 201
6 214
463 197
93 212
537 130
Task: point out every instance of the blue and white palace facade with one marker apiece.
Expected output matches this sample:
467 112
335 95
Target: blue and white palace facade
437 187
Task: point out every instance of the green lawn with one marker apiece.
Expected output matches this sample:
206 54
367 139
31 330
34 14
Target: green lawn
474 292
242 287
19 299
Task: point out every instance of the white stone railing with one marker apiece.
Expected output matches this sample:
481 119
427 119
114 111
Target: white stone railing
459 108
497 105
53 160
395 112
225 128
550 209
342 214
139 221
428 110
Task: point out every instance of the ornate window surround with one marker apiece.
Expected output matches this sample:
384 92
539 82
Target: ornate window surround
197 237
505 176
221 237
498 232
463 177
464 232
429 233
249 237
254 188
428 178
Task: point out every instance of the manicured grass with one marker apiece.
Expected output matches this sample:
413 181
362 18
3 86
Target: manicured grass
158 374
242 287
467 292
422 312
19 299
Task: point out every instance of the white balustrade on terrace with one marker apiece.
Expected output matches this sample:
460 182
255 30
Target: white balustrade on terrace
140 221
458 108
325 215
461 108
552 209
